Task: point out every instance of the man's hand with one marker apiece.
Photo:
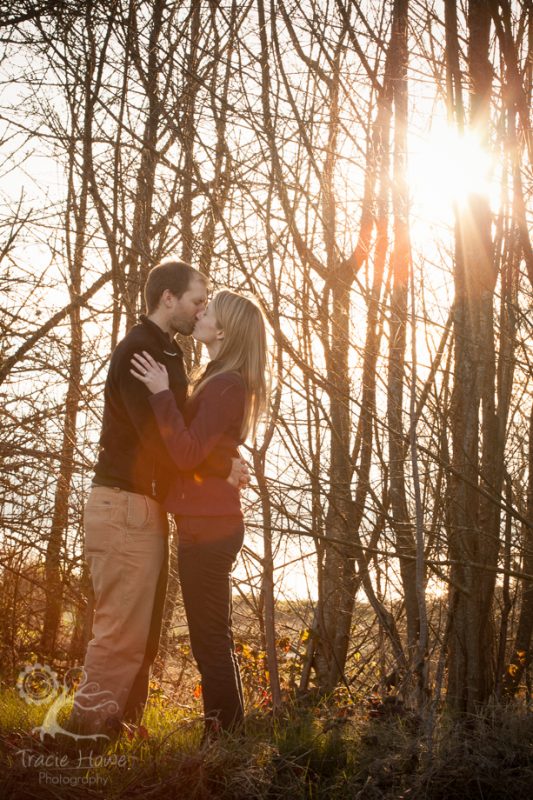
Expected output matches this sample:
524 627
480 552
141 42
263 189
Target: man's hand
239 476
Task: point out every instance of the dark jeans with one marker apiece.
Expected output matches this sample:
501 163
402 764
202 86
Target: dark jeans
207 549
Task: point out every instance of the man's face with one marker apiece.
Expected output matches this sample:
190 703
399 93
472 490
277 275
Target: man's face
184 310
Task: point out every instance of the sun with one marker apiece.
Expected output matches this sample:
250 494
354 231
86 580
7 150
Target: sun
445 167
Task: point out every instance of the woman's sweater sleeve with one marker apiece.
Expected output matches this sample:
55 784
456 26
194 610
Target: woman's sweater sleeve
220 405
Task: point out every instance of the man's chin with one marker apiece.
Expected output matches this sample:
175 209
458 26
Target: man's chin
185 330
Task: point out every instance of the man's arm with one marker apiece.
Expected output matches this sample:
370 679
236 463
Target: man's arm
135 400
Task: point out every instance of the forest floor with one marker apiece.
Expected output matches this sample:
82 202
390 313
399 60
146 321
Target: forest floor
311 750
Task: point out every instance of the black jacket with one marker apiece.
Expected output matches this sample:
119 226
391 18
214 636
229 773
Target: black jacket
132 455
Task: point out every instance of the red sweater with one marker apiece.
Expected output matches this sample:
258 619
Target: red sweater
210 426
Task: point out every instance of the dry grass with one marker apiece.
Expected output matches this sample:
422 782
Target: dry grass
311 752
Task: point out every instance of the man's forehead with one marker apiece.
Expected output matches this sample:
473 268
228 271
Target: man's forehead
198 289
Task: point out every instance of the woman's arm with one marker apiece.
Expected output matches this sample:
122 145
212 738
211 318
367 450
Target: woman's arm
220 405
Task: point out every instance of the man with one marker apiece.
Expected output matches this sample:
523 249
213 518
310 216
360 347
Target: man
126 528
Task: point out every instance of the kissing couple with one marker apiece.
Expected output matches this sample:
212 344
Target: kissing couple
170 445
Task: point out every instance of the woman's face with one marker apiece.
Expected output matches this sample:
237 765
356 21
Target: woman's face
206 329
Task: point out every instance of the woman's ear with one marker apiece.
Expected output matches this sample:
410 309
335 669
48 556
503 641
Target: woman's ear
220 334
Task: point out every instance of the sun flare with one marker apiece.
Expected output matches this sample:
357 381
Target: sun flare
445 168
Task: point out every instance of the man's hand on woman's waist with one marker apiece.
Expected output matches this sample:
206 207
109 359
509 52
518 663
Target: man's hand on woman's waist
239 476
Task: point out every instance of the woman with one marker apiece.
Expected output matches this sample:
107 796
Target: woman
225 405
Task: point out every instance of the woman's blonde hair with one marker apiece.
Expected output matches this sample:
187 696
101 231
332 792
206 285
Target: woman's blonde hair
243 350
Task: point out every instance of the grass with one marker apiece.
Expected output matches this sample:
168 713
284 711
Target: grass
309 752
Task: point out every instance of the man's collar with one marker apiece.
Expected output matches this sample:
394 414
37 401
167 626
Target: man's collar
170 346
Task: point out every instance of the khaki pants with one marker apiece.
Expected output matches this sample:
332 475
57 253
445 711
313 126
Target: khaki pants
126 548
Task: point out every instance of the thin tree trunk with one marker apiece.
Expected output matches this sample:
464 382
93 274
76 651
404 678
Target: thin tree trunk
76 208
267 585
172 598
139 257
83 622
521 657
338 573
405 539
474 518
188 125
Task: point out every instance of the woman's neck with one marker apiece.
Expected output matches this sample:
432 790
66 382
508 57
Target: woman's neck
213 348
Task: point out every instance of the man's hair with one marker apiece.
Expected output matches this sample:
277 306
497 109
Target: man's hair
172 275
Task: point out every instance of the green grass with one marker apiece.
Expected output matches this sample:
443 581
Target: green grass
306 753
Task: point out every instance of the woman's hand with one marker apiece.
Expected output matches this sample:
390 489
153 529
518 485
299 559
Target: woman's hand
153 374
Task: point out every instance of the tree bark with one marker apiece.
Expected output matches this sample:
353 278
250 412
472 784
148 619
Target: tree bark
405 540
476 451
77 205
139 256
